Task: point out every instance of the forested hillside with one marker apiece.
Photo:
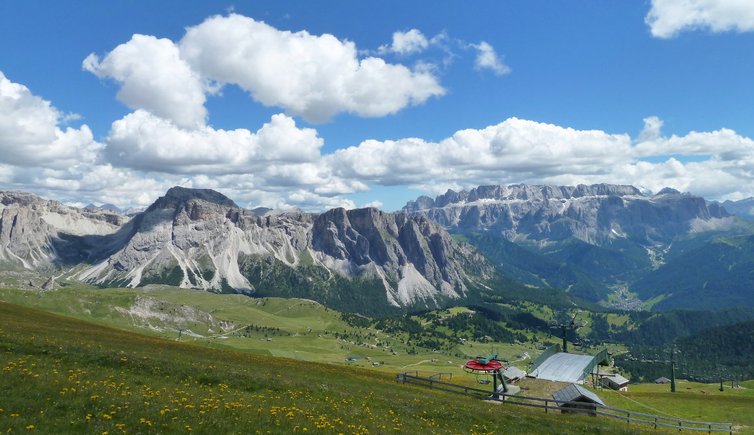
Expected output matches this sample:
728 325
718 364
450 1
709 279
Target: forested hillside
717 274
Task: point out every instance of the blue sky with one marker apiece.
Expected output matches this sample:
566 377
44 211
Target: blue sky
656 93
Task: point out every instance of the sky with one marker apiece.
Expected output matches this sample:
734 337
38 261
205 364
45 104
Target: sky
331 103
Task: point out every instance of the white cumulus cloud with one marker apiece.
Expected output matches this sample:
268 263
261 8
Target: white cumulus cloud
487 58
652 129
313 76
144 141
667 18
31 132
279 165
514 149
153 77
717 164
405 43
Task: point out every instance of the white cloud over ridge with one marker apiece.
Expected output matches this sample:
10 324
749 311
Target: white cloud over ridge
667 18
522 151
144 141
278 165
515 148
281 164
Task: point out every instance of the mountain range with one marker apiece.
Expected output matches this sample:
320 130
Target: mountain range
600 243
354 260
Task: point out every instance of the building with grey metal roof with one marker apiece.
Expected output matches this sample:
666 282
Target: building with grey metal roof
576 396
614 381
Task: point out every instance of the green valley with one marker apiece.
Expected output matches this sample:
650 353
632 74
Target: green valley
259 359
67 375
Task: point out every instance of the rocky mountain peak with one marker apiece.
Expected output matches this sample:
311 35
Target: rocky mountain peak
19 198
104 207
743 208
668 191
178 196
519 192
596 214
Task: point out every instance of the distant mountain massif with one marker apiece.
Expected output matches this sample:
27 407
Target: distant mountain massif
606 242
600 243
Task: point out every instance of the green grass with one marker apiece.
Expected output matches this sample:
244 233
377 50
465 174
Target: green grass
308 329
616 320
691 401
271 312
305 331
651 302
62 375
112 307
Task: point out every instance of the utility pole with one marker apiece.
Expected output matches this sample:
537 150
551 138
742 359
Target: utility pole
565 326
672 368
672 376
720 373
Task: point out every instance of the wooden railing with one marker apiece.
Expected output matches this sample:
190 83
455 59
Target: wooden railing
441 375
548 405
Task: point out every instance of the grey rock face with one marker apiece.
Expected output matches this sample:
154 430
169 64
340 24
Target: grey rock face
38 234
415 257
595 214
197 238
49 284
743 208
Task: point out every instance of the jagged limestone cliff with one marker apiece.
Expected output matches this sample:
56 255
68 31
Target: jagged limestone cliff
360 260
596 214
40 234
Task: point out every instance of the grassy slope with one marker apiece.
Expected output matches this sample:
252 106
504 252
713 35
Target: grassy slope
691 401
310 325
61 375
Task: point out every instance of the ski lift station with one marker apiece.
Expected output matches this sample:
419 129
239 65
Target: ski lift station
554 365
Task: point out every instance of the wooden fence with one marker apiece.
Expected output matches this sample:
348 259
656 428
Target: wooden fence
549 405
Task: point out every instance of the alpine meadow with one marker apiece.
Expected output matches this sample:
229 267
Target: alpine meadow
376 217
